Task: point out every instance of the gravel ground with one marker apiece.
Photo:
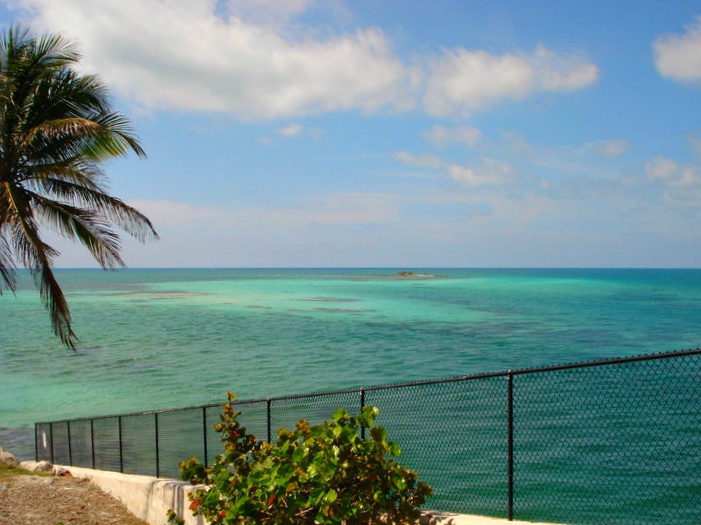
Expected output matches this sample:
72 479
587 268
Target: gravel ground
50 500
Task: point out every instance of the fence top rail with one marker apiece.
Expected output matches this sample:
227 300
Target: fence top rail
387 386
610 361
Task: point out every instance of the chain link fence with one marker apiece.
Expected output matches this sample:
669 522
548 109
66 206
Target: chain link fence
606 442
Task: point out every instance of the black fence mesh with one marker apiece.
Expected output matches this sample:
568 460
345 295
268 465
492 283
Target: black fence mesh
172 449
212 440
139 444
107 444
285 412
80 444
455 435
60 443
254 418
620 443
611 442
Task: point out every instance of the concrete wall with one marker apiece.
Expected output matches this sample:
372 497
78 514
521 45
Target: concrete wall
150 498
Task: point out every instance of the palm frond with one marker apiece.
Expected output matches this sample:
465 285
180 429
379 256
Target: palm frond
57 127
112 209
37 256
74 170
83 226
53 298
70 117
57 51
7 262
115 139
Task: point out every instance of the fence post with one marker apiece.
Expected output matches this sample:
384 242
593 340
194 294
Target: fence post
51 433
36 442
70 451
121 452
92 441
510 431
158 463
270 438
362 405
204 434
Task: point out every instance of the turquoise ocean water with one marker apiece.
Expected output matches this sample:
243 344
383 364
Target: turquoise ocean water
154 339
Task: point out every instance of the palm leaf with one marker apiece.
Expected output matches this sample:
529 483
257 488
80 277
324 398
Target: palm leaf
86 227
7 264
37 257
110 208
56 129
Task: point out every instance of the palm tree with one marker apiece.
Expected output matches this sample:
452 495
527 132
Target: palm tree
56 128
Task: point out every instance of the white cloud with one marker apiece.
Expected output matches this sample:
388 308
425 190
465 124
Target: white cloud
611 148
561 73
420 160
296 130
250 59
441 136
291 131
678 56
670 173
489 172
681 185
182 55
463 81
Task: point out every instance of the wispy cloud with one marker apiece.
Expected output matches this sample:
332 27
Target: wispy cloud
611 148
441 136
670 173
678 56
487 172
567 159
291 131
681 185
335 209
298 130
420 160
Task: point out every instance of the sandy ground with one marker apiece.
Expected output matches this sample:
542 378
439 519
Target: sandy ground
50 500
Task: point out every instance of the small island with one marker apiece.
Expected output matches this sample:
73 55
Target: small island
411 275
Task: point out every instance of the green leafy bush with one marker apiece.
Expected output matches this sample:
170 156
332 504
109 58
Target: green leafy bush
324 474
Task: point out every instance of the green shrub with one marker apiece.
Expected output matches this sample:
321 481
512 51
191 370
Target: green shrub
324 474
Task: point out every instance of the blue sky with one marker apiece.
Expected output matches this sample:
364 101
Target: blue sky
400 133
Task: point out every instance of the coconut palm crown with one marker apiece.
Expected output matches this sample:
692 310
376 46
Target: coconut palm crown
56 128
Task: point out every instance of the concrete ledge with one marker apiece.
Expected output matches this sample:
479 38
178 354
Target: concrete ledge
150 498
146 497
445 518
